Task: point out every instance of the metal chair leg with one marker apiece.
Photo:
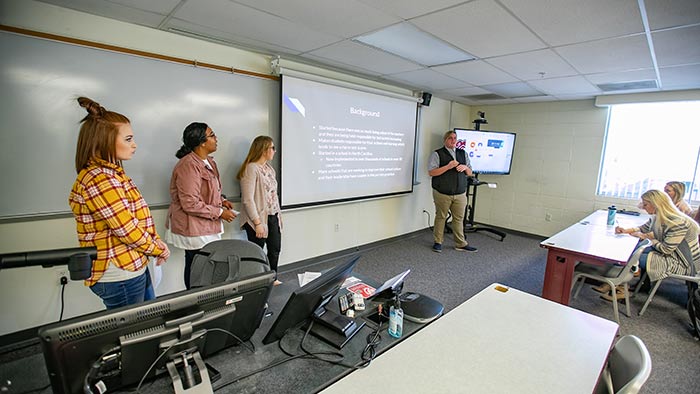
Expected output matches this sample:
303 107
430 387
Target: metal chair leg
579 280
613 291
627 299
651 295
639 284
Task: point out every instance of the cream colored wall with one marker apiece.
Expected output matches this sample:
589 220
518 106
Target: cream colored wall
32 295
557 158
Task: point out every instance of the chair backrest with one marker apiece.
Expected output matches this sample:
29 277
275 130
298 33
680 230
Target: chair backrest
226 260
630 365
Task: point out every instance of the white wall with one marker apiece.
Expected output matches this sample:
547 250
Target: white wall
32 295
557 158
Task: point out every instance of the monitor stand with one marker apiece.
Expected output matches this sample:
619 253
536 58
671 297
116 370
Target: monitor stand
196 380
334 328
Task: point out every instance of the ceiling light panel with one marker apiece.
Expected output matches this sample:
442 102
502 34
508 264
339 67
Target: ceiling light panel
411 43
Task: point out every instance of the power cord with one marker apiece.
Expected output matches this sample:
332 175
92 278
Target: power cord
373 340
94 369
250 347
64 282
429 225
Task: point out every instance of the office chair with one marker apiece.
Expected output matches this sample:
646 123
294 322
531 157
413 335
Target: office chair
685 278
226 260
605 274
628 368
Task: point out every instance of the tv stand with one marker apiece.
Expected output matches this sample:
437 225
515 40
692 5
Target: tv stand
197 380
469 226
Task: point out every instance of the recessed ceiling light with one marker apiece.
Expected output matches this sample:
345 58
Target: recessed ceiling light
411 43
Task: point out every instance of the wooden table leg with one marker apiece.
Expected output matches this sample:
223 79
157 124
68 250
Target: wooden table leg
558 276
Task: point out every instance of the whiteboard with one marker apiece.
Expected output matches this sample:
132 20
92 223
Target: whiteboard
40 81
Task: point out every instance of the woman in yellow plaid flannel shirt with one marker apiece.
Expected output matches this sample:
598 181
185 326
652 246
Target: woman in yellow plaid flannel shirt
110 212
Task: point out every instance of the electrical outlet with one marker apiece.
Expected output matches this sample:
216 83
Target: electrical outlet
336 227
548 217
61 272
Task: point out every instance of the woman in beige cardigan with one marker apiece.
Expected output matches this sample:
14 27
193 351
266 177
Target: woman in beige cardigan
260 216
674 237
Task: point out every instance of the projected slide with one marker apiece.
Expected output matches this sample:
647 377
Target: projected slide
490 152
341 144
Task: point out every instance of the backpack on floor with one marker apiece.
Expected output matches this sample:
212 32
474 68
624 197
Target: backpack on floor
694 306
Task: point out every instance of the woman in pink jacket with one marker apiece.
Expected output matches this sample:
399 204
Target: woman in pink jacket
197 207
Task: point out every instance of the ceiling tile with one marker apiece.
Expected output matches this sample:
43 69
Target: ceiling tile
622 76
534 99
677 46
681 77
345 18
565 86
475 72
131 11
528 66
614 54
482 28
363 56
427 79
563 22
469 91
514 89
194 30
665 13
408 9
244 21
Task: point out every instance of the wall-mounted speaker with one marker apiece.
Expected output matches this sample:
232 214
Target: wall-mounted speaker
426 98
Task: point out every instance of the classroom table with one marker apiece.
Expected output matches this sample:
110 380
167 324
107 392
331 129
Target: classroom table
27 371
591 241
502 340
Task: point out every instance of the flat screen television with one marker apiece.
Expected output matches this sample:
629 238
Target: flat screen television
116 348
489 152
310 300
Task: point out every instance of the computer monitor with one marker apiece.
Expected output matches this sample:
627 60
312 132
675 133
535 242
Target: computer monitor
310 300
117 347
390 289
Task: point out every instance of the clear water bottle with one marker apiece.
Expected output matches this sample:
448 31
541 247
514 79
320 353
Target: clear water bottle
611 215
396 319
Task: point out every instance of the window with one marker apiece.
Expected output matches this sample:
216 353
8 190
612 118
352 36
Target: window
648 145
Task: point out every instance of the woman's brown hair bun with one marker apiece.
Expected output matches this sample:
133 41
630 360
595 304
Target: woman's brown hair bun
93 108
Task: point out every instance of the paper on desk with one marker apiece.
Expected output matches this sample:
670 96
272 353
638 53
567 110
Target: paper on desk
350 281
493 185
307 277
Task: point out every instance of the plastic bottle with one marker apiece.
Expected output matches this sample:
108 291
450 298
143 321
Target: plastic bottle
396 319
611 215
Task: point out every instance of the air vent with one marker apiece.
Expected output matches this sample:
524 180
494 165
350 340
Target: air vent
145 332
87 330
152 312
634 85
210 296
480 97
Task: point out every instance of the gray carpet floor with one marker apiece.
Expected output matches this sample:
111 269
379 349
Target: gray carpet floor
453 277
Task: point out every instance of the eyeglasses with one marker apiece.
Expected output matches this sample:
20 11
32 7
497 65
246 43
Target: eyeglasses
212 135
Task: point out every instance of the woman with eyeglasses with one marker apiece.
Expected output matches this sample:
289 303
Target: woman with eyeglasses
676 190
260 216
197 208
110 213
